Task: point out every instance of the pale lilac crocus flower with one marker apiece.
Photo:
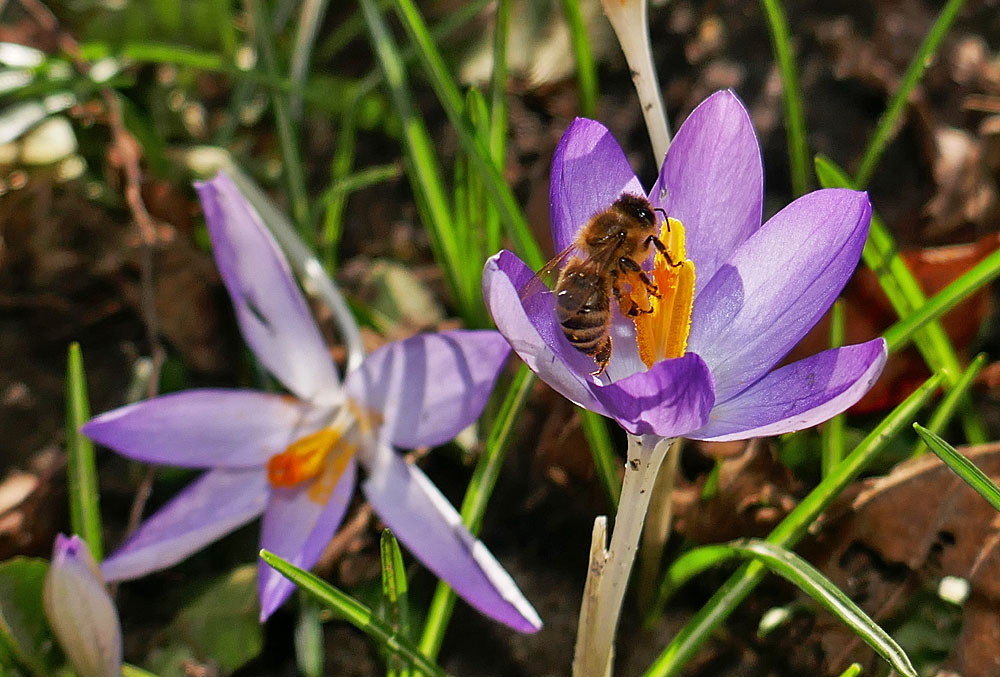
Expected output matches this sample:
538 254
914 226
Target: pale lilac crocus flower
80 610
294 457
736 295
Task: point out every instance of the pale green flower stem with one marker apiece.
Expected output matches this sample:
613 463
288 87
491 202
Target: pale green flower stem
630 20
608 573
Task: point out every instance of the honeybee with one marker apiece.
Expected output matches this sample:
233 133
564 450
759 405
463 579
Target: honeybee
605 257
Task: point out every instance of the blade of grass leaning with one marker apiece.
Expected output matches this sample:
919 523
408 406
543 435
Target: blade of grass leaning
310 19
948 405
129 670
334 200
595 429
888 123
497 141
791 96
962 466
308 637
354 612
291 159
586 71
353 27
905 294
475 210
832 433
980 275
451 100
81 468
423 168
361 179
809 580
788 532
396 609
852 671
477 496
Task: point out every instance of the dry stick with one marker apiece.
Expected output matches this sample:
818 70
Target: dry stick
609 569
127 154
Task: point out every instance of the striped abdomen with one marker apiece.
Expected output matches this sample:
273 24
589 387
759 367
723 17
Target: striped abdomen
583 308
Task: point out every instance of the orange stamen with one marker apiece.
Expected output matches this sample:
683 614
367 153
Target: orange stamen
662 334
303 459
321 457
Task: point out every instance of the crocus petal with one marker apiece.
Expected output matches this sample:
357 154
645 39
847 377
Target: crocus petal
427 524
536 338
206 428
589 172
218 502
296 527
798 395
712 181
272 313
672 398
81 612
777 285
429 387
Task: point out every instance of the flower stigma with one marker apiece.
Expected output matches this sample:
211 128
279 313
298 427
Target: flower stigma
322 456
662 333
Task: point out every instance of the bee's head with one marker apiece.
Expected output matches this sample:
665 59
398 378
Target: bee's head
637 207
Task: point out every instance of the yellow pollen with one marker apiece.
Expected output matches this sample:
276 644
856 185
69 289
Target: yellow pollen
662 334
321 457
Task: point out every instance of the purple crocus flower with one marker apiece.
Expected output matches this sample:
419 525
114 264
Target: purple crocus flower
736 295
294 457
80 610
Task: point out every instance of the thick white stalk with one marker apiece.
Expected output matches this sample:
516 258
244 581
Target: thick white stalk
630 20
608 573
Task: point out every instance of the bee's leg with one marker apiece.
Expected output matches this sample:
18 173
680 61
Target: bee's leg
626 303
602 357
635 271
662 248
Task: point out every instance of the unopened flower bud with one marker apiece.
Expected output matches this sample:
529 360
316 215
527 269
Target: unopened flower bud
81 612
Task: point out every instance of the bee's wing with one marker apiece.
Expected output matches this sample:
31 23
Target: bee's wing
544 281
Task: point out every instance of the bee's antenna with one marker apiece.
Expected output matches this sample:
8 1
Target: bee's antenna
665 219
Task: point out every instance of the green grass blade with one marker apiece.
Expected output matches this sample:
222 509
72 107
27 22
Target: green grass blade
354 612
586 71
946 408
807 578
853 671
310 19
475 209
129 670
361 179
498 117
81 469
477 496
452 102
791 529
606 463
291 159
396 610
832 439
888 123
791 96
975 278
423 167
962 466
308 637
904 292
